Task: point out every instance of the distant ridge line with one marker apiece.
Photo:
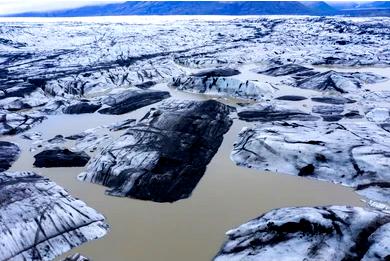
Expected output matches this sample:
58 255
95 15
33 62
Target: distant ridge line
214 8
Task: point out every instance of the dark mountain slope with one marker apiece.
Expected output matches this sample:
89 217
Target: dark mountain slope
184 8
379 8
320 8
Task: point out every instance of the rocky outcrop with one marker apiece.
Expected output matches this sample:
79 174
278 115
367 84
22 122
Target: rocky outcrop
271 112
9 152
131 100
60 158
355 154
336 233
162 157
39 220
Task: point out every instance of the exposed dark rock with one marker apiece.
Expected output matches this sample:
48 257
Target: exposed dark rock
355 154
162 157
9 152
332 100
216 72
39 220
286 69
82 107
60 158
336 233
131 100
291 98
268 113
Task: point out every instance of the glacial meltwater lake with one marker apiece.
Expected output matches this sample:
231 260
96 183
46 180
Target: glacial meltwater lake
191 229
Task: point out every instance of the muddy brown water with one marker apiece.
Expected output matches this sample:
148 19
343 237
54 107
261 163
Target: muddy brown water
191 229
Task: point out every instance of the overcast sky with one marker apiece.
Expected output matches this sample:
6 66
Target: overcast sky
19 6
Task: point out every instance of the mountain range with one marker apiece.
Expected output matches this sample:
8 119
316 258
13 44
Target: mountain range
222 8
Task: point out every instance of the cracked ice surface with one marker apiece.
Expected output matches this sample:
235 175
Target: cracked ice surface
45 218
